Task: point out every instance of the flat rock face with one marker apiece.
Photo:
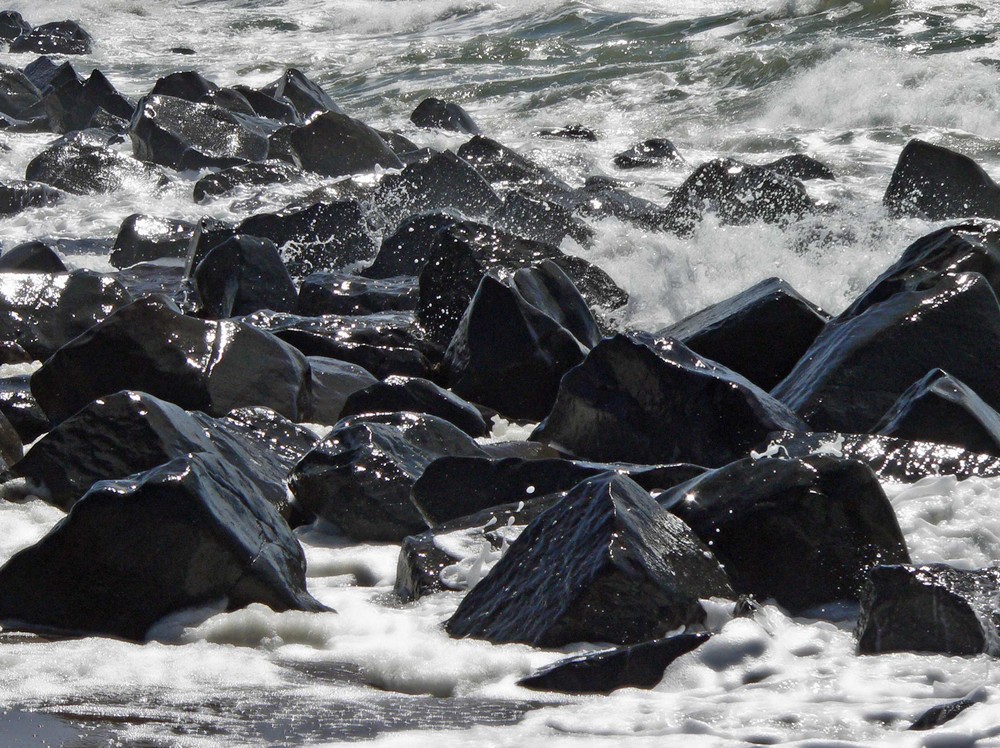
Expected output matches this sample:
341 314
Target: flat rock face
548 288
658 403
804 532
189 533
82 169
605 564
333 381
857 369
336 145
242 275
359 477
930 608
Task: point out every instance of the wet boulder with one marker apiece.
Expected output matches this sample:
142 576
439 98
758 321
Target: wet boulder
803 532
604 564
242 275
18 196
56 38
649 154
188 534
143 238
264 105
638 666
602 197
658 402
760 333
160 277
333 381
359 477
342 293
857 368
801 166
199 365
506 169
443 115
335 145
549 289
944 713
930 608
19 407
46 74
539 219
17 93
80 168
407 249
229 180
189 85
32 257
305 95
76 104
937 183
443 182
568 132
12 25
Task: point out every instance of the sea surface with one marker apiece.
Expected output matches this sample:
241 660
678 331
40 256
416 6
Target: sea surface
846 82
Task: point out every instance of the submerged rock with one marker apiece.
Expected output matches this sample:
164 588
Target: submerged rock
58 37
568 132
18 196
443 115
944 713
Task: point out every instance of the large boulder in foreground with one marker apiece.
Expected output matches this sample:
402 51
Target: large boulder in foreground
658 402
242 275
803 532
930 608
188 534
605 564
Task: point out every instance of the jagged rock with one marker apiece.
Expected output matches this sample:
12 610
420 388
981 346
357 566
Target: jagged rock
940 408
604 564
509 355
143 238
58 38
74 104
944 713
283 442
406 251
256 175
321 237
341 293
268 106
760 333
19 407
443 182
547 288
82 169
638 666
930 608
150 345
659 403
801 166
18 196
415 395
333 382
305 95
937 183
541 220
804 532
189 85
187 534
42 311
648 154
568 132
184 135
856 369
17 93
336 145
359 476
602 198
242 275
47 74
12 25
208 233
506 169
32 257
443 115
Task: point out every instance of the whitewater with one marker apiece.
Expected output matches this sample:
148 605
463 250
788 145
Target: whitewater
848 83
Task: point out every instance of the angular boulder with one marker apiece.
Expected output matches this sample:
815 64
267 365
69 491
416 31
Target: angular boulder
801 166
336 145
536 218
77 105
18 196
333 382
342 293
247 175
143 238
32 257
442 182
84 169
306 96
649 154
17 93
507 170
56 38
242 275
443 115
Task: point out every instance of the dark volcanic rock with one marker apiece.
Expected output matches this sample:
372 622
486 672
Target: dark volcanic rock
406 251
444 115
605 564
58 37
801 166
638 666
143 238
944 713
305 95
246 175
12 25
84 169
568 132
189 85
602 198
46 74
507 170
804 532
19 407
937 183
242 275
32 257
75 104
164 278
17 92
341 293
659 403
857 369
930 608
18 196
187 534
336 145
359 476
760 333
648 154
542 220
150 346
547 288
267 106
333 382
940 408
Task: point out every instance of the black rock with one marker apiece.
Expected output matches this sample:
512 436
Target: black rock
188 85
336 145
74 104
341 293
208 233
184 535
443 115
19 407
333 381
12 353
568 132
944 713
648 154
929 608
604 564
143 238
164 278
937 183
12 25
182 51
281 442
46 74
506 169
184 135
406 251
602 198
268 106
242 275
11 447
58 38
231 179
18 196
416 395
305 95
659 403
638 666
321 237
150 346
547 288
541 220
82 169
32 257
804 532
856 369
17 93
359 476
801 166
760 333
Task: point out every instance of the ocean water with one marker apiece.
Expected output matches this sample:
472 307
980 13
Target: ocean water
846 82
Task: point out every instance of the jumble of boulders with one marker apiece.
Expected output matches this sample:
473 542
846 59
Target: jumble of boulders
734 454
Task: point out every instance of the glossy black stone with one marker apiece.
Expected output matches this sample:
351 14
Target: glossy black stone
46 74
602 197
568 132
17 93
333 381
549 289
32 257
12 25
81 168
416 395
143 238
531 217
506 169
247 175
407 249
76 105
19 407
604 564
305 95
336 145
342 293
801 166
944 713
58 37
649 154
242 275
189 85
443 115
